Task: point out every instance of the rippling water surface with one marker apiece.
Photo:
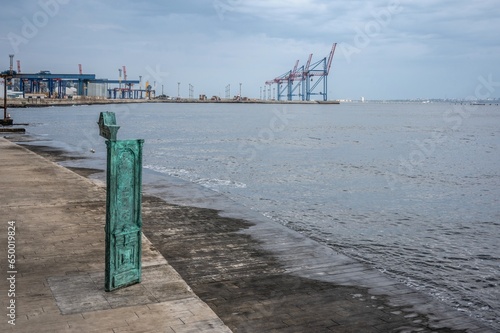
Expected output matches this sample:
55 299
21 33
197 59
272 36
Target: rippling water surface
411 189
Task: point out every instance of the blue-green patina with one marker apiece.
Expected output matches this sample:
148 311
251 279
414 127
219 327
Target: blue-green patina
107 125
123 206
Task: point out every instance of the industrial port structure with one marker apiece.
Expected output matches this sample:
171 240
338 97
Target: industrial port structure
44 84
55 85
303 81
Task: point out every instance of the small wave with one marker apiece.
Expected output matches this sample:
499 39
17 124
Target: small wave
180 173
214 182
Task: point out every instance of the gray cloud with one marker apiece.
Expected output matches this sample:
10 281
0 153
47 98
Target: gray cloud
425 48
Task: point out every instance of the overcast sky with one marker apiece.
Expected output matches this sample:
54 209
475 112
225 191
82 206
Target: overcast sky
386 49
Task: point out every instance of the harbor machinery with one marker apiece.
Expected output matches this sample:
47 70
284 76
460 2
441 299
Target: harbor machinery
305 81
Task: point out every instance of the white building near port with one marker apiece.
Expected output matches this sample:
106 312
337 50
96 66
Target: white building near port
10 93
97 90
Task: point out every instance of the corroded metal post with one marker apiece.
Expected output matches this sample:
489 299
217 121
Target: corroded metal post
4 98
123 206
7 120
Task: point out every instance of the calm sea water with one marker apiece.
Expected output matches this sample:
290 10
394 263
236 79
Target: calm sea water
411 189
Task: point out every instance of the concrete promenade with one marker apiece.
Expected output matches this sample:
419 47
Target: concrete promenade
202 270
58 274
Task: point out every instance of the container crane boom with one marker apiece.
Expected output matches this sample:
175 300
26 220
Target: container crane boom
306 69
330 58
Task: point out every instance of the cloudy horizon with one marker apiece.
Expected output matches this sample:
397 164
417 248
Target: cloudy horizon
386 49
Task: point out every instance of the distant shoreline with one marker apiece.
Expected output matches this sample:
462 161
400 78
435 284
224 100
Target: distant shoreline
47 102
27 103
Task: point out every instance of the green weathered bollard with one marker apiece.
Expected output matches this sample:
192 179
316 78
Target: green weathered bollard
123 206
